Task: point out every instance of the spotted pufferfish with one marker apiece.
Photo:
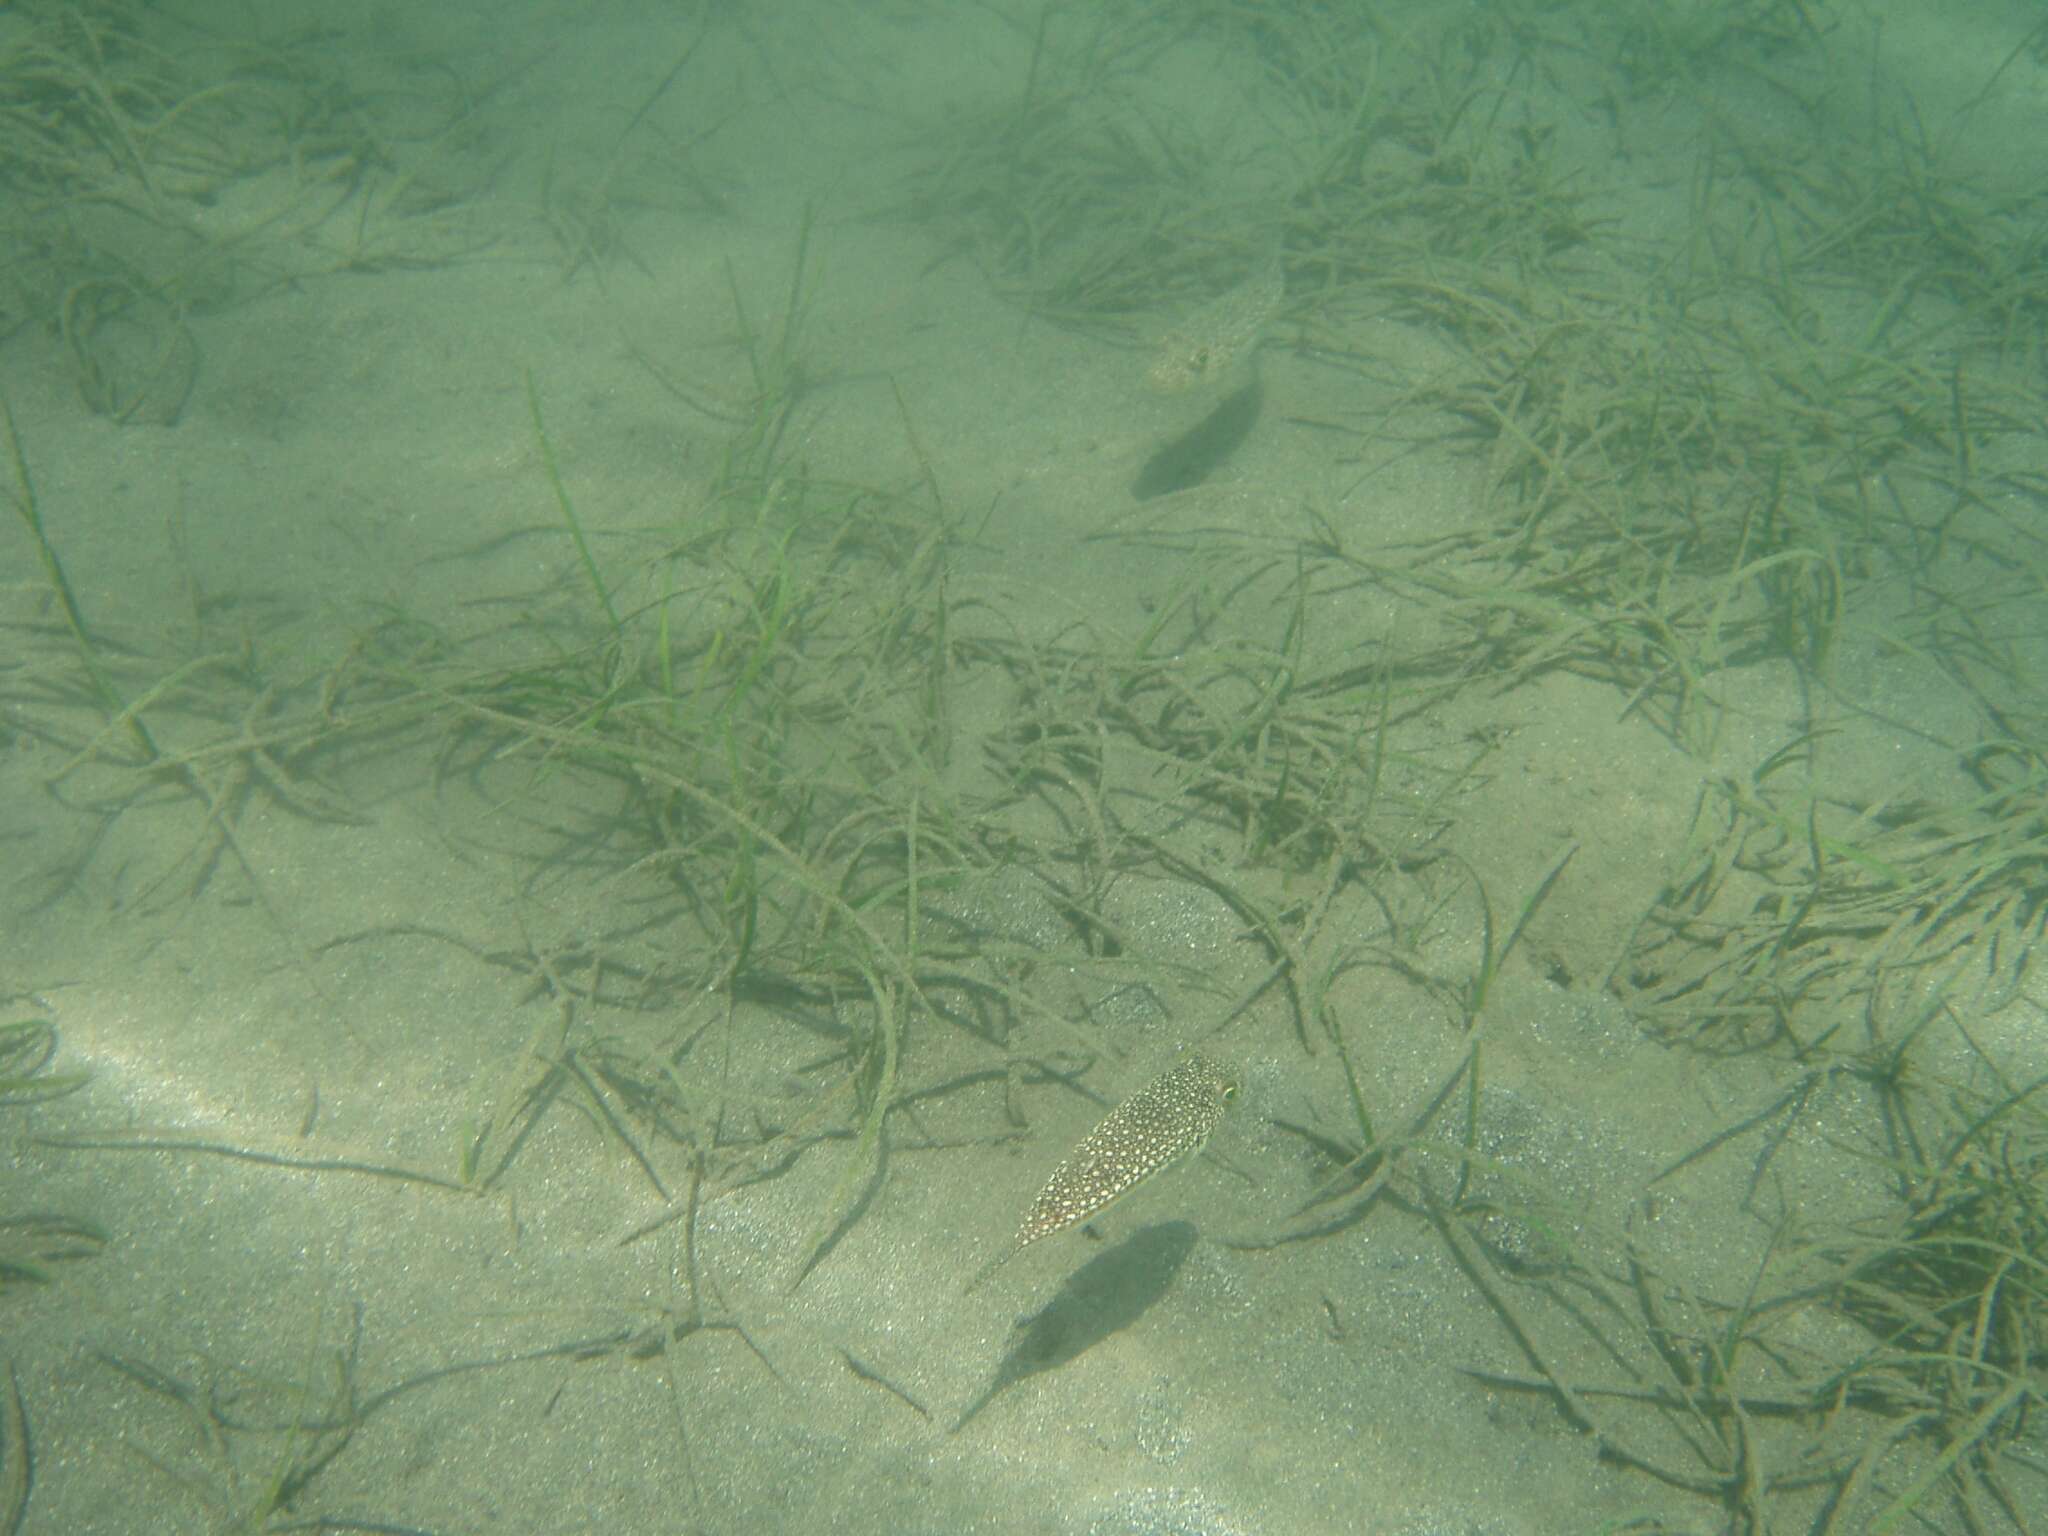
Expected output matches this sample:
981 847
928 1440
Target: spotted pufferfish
1211 345
1166 1120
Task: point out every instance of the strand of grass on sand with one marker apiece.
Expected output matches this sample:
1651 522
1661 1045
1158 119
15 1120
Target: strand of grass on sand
31 513
253 1155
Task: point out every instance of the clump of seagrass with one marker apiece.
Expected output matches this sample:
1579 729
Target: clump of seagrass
147 170
1797 909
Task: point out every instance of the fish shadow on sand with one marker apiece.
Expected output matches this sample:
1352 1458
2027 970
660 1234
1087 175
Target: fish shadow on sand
1104 1296
1204 448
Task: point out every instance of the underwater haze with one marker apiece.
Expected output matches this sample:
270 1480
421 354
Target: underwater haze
1114 768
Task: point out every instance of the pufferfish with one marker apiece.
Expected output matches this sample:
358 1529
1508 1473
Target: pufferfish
1214 344
1166 1120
